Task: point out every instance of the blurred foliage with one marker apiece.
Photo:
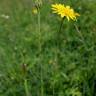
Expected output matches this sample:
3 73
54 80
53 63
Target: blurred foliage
75 75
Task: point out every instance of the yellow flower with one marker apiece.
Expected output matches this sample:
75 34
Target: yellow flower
64 11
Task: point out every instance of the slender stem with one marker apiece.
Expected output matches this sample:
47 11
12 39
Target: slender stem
60 25
57 50
26 87
40 49
58 41
24 69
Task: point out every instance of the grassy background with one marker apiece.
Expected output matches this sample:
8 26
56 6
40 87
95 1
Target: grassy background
21 58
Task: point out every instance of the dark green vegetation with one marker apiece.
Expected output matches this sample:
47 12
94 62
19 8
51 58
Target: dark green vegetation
28 58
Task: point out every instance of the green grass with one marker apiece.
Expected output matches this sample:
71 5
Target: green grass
27 54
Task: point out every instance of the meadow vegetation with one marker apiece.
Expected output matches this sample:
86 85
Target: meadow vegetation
28 50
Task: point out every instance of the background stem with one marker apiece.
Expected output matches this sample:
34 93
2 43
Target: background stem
57 53
40 56
26 87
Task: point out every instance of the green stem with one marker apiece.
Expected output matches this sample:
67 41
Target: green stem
60 26
58 40
24 69
26 87
40 49
57 51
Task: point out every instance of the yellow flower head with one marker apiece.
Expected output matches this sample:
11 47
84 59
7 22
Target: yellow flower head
64 11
